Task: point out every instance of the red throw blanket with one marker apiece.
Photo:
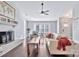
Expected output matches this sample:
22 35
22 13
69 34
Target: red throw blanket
62 43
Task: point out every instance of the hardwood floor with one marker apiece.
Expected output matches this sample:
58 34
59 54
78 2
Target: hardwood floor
21 50
43 50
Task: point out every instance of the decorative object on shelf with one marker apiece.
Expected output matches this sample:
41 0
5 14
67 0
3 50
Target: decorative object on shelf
8 21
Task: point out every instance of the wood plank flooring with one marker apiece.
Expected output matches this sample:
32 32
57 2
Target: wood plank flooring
21 50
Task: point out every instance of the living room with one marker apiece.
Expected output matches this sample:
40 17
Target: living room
28 27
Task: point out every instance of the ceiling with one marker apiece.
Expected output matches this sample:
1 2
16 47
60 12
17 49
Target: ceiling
33 8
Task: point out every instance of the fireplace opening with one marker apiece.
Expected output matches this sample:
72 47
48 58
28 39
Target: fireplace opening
6 37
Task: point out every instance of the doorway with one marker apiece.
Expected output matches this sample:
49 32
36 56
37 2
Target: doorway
65 26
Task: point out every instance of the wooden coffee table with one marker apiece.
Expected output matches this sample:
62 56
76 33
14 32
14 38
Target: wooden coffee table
33 47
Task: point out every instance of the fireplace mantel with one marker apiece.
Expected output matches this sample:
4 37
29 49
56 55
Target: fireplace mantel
6 37
7 21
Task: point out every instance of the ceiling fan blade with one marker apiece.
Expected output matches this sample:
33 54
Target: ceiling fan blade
42 11
46 14
47 11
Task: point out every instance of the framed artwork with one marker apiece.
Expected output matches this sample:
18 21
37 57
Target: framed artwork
7 10
7 14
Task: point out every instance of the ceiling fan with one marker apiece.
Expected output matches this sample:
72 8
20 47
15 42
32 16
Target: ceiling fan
44 12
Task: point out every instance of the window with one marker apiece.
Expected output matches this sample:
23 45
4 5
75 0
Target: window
37 28
46 28
42 28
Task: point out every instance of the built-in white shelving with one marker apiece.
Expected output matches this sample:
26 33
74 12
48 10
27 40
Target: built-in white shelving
7 21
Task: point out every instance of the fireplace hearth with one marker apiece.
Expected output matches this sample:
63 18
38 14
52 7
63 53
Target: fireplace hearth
6 37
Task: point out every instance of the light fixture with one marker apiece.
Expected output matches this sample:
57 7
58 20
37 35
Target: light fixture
65 25
44 12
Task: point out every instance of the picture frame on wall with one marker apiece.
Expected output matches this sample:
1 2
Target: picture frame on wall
1 8
7 10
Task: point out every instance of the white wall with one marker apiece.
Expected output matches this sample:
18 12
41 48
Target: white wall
19 28
76 23
4 27
52 25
